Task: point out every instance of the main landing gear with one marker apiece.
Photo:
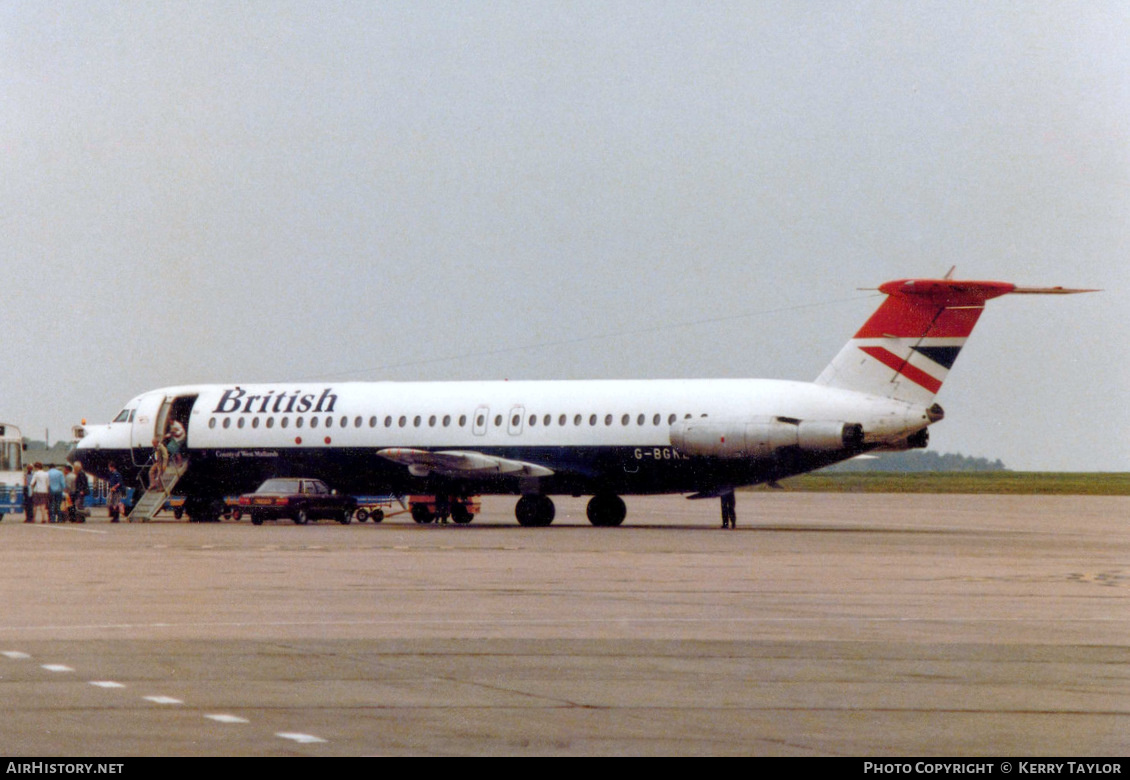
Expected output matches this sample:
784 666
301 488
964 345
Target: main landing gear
203 510
536 511
606 510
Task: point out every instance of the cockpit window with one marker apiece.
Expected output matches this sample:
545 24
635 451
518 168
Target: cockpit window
123 415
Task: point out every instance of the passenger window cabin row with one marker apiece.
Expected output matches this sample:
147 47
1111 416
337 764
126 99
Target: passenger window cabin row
446 421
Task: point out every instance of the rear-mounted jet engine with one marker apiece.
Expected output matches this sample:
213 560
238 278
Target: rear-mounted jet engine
762 437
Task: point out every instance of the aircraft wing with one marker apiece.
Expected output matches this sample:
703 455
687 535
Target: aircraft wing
461 463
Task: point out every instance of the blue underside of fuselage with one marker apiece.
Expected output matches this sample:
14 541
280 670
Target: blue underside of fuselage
577 470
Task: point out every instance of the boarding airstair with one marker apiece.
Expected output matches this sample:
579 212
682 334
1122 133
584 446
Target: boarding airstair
155 497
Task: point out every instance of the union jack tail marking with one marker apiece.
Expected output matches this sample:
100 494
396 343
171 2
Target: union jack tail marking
908 346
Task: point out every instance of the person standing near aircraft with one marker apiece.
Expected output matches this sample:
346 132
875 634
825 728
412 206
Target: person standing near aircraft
729 510
57 485
78 495
176 438
40 492
160 463
29 503
117 493
69 493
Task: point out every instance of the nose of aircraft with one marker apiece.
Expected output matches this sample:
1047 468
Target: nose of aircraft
96 446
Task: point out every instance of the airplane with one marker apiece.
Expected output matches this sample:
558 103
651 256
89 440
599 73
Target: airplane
537 439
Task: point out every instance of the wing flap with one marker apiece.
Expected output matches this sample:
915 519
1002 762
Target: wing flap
461 463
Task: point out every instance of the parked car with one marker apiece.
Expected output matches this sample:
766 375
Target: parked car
300 499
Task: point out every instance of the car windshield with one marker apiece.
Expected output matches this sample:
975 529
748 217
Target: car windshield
279 486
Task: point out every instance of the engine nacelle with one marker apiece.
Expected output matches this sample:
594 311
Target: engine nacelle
916 441
761 437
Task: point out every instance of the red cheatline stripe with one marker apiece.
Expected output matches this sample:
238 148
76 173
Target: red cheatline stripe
916 375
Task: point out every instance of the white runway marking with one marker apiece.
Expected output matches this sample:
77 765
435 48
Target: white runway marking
57 668
106 684
220 718
301 738
15 655
162 699
77 529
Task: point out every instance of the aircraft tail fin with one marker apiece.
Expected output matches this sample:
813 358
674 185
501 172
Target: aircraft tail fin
908 346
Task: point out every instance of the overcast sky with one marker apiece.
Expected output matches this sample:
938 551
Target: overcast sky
258 191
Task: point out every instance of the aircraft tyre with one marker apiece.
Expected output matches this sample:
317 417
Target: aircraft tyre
606 510
421 514
460 514
300 517
203 510
535 511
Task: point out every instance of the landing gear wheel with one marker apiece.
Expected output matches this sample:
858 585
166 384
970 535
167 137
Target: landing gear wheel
606 510
203 510
460 514
421 514
534 511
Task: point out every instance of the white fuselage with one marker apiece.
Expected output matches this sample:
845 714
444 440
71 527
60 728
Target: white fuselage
600 434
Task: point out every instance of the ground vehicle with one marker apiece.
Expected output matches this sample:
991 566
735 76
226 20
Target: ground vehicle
462 510
377 508
11 470
299 499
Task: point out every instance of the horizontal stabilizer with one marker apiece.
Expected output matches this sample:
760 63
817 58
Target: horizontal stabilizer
461 463
1049 291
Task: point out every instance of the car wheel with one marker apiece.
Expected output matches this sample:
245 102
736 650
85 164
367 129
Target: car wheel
300 517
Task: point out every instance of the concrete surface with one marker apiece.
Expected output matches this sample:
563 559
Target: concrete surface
877 625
